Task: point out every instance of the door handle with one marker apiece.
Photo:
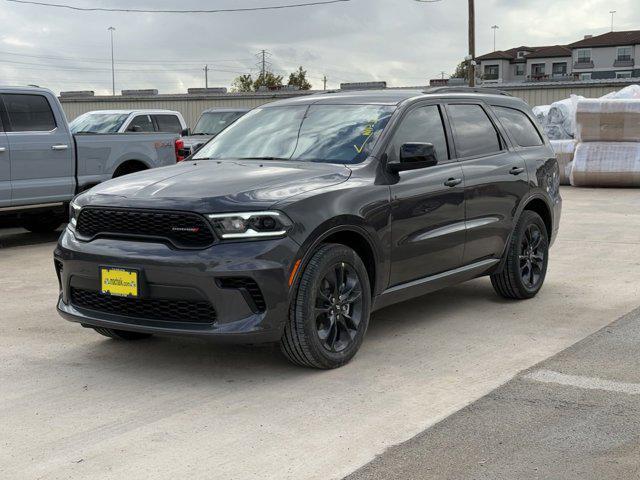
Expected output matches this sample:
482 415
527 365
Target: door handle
516 170
3 149
59 147
452 182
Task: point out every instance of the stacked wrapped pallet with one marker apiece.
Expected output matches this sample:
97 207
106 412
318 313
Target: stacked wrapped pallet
564 150
608 154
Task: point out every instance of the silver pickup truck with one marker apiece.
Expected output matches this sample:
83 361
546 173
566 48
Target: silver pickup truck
43 166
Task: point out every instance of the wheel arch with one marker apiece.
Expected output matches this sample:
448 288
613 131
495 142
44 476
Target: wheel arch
131 165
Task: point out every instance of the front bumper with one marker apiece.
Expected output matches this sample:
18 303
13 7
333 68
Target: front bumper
169 274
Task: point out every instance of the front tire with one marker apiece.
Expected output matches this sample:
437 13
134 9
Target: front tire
121 334
525 267
329 313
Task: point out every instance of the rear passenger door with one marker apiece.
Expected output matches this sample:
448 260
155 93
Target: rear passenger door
427 205
141 123
495 179
5 168
40 150
167 123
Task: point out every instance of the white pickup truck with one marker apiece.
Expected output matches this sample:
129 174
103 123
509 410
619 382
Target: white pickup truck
43 165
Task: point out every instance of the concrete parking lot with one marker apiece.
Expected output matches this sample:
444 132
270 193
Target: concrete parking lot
76 405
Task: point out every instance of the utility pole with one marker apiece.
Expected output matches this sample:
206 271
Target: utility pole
206 76
472 44
324 80
113 70
494 28
442 74
263 69
612 12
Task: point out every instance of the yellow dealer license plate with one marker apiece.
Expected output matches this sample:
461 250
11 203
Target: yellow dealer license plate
119 282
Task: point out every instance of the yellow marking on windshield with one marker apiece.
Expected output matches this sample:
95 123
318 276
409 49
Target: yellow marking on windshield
367 132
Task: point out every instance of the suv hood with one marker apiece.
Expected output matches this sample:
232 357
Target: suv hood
216 185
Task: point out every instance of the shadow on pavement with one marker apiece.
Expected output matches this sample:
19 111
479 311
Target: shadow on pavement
19 237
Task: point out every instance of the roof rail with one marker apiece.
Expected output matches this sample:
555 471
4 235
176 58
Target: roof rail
490 91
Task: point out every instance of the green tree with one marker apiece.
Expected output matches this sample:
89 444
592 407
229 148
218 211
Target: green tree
243 83
299 79
269 80
462 70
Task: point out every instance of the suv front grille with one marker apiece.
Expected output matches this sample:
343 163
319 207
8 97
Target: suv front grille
187 311
181 229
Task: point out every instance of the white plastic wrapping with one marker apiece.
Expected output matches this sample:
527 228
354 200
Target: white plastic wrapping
564 150
608 120
632 91
606 164
561 120
542 113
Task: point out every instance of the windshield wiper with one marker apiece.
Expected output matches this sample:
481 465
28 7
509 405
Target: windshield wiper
84 131
264 158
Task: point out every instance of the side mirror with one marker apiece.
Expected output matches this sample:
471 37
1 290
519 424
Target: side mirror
414 156
135 128
186 132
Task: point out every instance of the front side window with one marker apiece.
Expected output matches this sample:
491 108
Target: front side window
309 133
560 68
624 54
28 113
519 126
141 123
168 123
98 123
473 132
421 125
584 55
212 123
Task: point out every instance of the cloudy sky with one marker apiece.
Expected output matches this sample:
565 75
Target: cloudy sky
400 41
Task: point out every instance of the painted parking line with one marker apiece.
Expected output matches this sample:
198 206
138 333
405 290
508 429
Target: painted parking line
589 383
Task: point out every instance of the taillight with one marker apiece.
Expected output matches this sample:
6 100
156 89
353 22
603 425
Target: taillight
179 150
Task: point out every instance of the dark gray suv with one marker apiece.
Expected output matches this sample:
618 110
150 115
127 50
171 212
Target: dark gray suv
305 215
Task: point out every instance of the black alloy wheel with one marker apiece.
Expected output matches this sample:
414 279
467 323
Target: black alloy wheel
532 256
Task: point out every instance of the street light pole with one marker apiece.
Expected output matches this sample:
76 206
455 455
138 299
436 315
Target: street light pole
113 70
494 28
612 12
472 44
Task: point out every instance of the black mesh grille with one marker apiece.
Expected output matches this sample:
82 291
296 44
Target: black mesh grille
248 285
187 311
182 229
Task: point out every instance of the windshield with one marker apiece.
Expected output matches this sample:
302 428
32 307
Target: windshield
212 123
316 133
98 123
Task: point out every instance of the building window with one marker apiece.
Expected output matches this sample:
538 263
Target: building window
623 74
522 54
584 55
537 69
559 68
491 72
585 76
519 69
624 54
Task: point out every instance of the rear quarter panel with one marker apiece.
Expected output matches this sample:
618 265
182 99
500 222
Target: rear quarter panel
100 155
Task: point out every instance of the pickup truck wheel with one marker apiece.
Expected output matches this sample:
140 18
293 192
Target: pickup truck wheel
526 264
42 223
121 334
329 313
129 167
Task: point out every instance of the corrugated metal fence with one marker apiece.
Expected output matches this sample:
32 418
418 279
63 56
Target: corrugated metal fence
191 106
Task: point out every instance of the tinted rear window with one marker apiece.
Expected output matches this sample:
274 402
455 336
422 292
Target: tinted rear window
519 126
143 124
29 113
168 123
473 132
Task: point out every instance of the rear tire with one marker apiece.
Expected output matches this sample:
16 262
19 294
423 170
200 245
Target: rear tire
121 334
128 168
525 267
329 312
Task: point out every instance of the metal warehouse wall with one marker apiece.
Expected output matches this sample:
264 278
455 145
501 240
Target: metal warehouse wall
191 106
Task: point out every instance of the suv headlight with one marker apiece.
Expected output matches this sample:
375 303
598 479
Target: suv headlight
229 226
74 213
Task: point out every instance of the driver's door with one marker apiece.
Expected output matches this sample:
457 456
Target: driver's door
428 217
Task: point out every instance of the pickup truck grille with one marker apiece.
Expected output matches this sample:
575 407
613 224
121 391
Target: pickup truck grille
181 229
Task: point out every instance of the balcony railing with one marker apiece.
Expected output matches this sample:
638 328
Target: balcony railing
552 78
583 64
624 62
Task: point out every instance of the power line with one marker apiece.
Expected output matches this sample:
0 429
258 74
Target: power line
217 10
